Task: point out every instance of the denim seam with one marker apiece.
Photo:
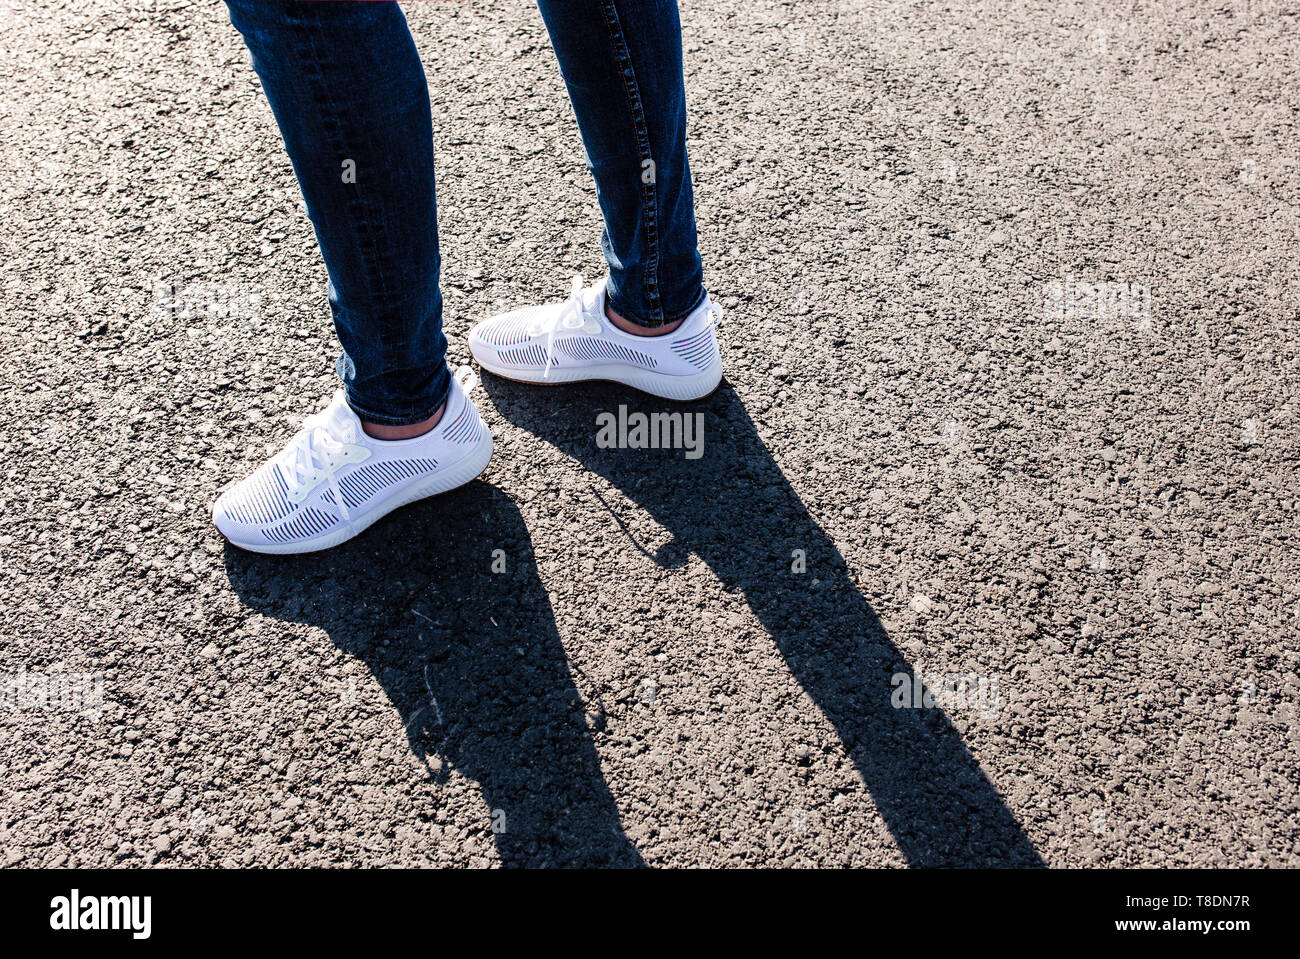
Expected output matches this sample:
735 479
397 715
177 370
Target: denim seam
367 241
330 128
649 191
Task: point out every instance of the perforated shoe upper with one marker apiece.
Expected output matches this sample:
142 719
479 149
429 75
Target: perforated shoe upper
576 334
331 473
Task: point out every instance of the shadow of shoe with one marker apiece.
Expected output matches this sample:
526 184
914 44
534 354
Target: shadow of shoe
473 664
734 508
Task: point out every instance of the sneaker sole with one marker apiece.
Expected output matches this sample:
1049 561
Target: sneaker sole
443 481
681 388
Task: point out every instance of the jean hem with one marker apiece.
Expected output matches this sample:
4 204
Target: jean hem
381 419
632 317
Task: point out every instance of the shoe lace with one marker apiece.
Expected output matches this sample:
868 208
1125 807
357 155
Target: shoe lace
573 315
313 453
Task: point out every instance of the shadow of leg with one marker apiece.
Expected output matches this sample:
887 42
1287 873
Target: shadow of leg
734 508
473 664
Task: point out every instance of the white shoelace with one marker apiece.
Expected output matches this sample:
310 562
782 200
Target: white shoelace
573 315
315 451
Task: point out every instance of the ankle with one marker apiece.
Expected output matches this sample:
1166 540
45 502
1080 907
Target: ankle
409 431
627 326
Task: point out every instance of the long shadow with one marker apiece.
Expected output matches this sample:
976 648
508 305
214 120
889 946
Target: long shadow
470 658
734 508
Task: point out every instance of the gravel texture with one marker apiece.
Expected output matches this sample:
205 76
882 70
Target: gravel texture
1087 511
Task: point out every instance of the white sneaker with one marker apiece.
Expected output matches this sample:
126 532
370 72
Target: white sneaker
574 340
332 480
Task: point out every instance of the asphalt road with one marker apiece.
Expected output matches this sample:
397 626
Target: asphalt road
1011 346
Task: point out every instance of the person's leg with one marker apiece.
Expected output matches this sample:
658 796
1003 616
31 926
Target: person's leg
622 64
650 324
348 91
346 86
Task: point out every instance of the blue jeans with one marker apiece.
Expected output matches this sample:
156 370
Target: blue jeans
347 88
